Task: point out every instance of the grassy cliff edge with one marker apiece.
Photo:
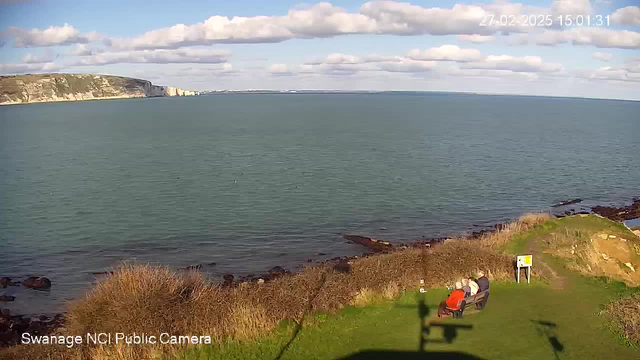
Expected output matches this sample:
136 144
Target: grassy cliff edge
571 309
24 89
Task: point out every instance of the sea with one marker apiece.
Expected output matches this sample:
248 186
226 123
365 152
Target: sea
239 183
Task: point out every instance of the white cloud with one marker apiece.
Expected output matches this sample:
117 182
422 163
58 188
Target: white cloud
187 55
52 36
407 65
320 20
406 19
441 59
215 70
47 56
338 58
325 20
28 68
629 15
609 73
279 70
446 53
595 36
494 73
516 64
602 56
571 7
84 50
476 39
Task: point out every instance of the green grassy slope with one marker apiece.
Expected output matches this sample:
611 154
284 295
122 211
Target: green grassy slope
521 321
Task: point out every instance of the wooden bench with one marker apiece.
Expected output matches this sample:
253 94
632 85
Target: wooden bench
479 300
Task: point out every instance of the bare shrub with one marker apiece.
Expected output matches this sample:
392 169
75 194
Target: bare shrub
391 291
501 237
625 313
534 218
363 297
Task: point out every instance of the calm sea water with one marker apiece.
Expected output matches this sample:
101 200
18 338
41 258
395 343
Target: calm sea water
253 181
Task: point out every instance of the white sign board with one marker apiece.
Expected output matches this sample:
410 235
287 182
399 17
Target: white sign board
524 261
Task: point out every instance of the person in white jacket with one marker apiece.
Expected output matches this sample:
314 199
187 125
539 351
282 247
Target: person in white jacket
474 286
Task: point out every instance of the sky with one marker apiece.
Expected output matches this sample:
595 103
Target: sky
577 48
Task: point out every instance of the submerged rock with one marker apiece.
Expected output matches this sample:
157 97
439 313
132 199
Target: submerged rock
7 298
193 267
373 244
5 281
619 213
567 202
228 280
102 273
13 326
35 282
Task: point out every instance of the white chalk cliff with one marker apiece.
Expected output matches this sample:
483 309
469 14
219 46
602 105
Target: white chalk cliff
23 89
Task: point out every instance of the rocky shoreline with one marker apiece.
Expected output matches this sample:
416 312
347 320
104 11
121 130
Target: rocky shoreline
12 326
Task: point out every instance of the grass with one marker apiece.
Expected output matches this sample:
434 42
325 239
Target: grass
588 318
510 327
334 313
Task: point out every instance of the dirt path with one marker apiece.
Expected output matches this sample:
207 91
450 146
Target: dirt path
558 282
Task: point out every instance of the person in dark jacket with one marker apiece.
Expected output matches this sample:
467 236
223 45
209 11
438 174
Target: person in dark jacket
482 281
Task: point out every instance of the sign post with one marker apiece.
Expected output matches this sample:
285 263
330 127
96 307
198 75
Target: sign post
524 261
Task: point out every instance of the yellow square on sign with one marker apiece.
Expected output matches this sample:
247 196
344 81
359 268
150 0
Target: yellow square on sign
527 260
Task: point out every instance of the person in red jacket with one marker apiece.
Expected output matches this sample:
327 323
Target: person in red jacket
452 301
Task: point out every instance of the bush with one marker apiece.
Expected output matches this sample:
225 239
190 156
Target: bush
625 313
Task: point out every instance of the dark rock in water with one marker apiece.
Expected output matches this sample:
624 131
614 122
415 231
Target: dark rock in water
619 214
212 264
567 202
12 327
102 273
5 281
35 282
277 270
228 280
193 267
373 244
7 298
321 254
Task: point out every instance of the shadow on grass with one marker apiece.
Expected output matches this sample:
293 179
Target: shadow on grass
410 355
548 330
298 327
450 332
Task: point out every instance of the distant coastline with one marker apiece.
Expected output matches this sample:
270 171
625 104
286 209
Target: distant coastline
28 89
390 92
42 88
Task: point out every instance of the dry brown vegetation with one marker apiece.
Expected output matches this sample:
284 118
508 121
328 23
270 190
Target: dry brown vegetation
498 239
626 314
153 300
